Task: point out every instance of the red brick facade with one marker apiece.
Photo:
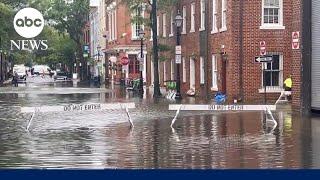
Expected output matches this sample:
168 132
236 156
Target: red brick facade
205 44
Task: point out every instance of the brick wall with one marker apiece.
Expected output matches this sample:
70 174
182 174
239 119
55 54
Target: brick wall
277 41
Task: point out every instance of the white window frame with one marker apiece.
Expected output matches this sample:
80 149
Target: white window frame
184 15
273 89
134 30
192 14
214 17
202 70
164 72
109 27
202 15
214 70
151 34
224 15
184 70
172 69
279 25
171 23
115 25
164 25
158 25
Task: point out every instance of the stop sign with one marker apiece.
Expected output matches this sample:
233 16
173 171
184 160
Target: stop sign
124 61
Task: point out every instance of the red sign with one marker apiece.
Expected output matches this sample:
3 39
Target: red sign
263 51
124 61
295 40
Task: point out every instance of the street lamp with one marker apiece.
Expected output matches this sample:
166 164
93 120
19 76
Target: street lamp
178 22
141 36
98 49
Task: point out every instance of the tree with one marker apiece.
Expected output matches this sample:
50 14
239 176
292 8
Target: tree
70 17
152 7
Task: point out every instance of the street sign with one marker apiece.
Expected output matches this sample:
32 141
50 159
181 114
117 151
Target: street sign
124 61
178 49
141 66
263 51
295 40
264 59
178 58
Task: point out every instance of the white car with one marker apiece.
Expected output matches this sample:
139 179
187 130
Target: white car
40 69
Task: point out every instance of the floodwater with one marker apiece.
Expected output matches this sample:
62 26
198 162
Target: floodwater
103 140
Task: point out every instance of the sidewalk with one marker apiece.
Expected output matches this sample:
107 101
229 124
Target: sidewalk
6 82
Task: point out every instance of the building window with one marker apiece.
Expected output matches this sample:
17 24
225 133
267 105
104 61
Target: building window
202 15
114 25
214 17
164 25
172 70
136 26
184 70
273 73
134 65
158 25
224 16
171 23
193 14
164 71
272 14
109 27
184 23
201 70
214 73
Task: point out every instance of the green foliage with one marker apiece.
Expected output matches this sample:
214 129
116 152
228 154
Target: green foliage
69 17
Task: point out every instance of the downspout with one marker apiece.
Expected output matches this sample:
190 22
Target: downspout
206 74
241 57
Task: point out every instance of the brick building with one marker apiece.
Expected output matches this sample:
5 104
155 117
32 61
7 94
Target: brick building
123 41
220 40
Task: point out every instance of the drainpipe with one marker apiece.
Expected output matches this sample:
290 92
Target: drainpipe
241 57
206 74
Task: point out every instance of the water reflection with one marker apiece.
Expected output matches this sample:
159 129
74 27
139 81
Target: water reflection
198 140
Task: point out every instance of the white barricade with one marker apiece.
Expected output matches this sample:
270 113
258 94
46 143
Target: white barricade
214 107
93 107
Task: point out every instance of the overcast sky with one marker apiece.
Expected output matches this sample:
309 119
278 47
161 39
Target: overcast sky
94 2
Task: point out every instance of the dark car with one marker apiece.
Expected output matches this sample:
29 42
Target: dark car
61 76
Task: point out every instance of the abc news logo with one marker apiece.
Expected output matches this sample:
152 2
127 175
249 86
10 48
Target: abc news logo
28 23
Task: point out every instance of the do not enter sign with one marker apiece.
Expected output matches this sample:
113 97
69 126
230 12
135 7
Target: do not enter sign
124 61
295 40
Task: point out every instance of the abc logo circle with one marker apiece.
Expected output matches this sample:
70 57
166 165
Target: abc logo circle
28 22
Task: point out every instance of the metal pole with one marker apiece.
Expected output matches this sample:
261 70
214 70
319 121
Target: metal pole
265 83
99 81
141 62
178 95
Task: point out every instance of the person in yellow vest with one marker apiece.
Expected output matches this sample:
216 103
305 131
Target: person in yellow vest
288 84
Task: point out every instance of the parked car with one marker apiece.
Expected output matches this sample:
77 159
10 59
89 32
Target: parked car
40 69
21 70
61 76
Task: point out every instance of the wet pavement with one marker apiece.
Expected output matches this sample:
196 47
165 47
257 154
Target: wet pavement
99 140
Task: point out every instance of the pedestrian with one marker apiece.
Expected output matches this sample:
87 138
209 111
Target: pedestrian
16 77
288 84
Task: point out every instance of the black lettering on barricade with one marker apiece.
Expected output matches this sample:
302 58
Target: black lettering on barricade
67 108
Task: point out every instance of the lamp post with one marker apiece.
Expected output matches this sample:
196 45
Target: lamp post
141 36
178 22
98 49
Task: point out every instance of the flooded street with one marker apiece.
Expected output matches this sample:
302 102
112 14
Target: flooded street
100 140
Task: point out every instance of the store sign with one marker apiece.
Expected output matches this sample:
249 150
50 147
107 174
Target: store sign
28 23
